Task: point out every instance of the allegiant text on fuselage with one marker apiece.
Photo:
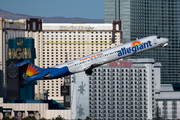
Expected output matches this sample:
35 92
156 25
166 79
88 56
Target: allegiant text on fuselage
134 49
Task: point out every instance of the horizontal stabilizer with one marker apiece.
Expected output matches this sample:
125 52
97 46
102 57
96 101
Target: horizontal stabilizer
21 63
28 68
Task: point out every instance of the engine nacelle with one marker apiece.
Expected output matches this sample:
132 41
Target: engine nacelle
57 72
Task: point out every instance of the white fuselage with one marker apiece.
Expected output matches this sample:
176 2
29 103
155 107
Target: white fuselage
113 54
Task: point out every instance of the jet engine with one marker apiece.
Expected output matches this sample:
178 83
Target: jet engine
57 72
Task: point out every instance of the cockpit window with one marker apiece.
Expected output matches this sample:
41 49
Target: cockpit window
155 41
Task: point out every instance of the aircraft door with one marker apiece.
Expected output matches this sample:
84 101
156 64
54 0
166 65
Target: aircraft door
154 41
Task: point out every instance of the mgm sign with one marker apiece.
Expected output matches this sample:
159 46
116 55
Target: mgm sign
19 53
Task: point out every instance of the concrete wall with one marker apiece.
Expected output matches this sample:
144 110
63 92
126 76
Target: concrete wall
54 113
42 108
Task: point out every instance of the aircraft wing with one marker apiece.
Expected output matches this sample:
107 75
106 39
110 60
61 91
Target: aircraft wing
88 69
94 65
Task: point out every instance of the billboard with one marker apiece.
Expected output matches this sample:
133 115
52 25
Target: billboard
12 80
120 64
64 90
19 114
12 72
7 112
19 49
19 53
32 113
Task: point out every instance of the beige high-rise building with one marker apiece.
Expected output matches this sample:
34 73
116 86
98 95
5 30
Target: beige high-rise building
59 43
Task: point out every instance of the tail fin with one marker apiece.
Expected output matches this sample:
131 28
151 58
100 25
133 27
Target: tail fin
28 68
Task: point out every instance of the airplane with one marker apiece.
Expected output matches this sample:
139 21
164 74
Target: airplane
89 62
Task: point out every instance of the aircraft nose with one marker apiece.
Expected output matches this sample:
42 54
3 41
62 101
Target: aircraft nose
166 40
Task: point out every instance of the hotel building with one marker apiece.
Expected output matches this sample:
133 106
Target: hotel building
118 90
168 102
59 43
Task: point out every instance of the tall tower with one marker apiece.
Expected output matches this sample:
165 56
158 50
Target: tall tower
151 17
8 29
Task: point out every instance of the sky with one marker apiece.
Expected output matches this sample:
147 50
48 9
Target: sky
91 9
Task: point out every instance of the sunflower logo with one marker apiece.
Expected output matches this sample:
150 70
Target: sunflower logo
31 70
136 43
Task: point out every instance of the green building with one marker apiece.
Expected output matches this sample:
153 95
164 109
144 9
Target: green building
17 86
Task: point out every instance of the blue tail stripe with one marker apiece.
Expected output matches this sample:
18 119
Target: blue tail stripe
22 63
